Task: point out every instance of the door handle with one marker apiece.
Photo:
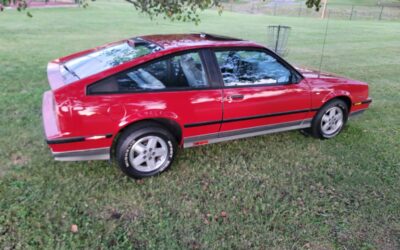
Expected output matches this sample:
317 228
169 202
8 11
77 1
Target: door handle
236 97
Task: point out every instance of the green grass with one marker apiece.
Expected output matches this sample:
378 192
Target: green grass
279 191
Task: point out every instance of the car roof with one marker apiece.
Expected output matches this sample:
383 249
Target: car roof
171 41
168 44
174 42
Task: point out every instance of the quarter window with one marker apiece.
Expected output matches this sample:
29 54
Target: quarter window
247 68
178 72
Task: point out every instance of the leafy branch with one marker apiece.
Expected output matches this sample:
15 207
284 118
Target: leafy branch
180 10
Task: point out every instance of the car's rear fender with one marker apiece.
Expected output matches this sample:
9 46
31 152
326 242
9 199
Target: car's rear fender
171 125
167 119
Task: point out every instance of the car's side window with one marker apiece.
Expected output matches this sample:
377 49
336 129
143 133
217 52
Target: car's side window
251 67
184 71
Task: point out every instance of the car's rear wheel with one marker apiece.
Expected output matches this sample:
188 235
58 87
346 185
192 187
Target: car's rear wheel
145 150
330 119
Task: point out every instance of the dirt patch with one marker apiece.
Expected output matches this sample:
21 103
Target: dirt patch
130 214
18 159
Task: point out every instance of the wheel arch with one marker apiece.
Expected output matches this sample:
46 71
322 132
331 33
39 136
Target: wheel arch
172 126
341 96
346 99
314 129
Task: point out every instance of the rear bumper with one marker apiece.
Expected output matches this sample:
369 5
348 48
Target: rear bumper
83 155
66 148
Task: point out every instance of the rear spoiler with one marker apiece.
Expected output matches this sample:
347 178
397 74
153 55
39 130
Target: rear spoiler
54 75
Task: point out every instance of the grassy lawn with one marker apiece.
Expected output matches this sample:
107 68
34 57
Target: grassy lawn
276 191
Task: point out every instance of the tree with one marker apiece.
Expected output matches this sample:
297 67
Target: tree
181 10
187 10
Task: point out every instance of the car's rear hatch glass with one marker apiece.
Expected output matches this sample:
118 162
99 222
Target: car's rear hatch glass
105 58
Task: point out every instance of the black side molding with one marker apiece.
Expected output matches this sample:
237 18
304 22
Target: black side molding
66 140
267 115
367 101
73 139
191 125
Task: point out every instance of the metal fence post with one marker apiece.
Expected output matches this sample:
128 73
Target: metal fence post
277 39
380 14
301 4
351 14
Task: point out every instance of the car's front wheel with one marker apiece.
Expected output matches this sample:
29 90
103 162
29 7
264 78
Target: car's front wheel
330 119
145 150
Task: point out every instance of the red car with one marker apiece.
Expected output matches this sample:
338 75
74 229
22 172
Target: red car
138 100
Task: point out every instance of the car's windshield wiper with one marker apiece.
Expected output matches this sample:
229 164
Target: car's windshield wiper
71 71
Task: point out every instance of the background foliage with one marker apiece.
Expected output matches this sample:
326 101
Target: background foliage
181 10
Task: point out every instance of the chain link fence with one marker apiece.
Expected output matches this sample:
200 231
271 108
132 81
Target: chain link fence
349 12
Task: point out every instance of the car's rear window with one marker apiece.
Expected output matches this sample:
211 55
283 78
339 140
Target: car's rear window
106 58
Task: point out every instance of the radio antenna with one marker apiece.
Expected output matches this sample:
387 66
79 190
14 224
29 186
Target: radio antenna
323 47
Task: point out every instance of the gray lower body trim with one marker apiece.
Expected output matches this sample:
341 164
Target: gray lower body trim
83 155
248 132
356 113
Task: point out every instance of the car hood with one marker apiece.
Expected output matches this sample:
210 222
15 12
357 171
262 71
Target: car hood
310 73
313 73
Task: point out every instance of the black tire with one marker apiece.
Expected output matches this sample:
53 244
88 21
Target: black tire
132 137
317 128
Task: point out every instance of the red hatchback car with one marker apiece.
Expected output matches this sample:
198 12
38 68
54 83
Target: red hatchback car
140 99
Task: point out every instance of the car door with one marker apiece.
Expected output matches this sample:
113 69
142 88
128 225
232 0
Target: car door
260 92
176 87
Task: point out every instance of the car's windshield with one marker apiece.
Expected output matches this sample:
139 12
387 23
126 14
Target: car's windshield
106 58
